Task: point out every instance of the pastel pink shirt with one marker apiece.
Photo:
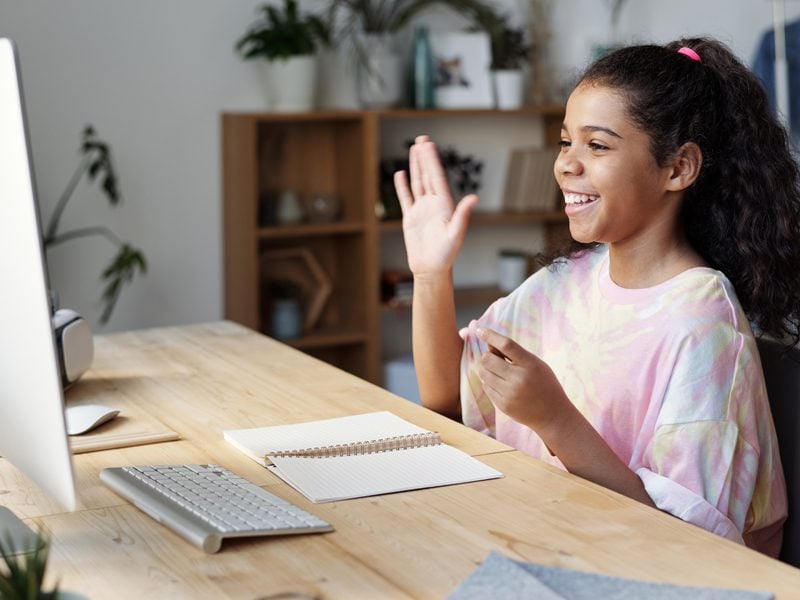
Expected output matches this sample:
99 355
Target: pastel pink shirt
669 376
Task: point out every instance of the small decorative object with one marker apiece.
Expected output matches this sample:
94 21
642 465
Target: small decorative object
323 208
462 70
128 260
289 210
287 41
464 172
512 269
286 316
423 70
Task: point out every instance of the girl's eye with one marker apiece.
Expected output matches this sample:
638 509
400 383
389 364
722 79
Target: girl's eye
564 143
597 146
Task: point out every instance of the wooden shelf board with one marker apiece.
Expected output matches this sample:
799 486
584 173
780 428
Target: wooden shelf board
323 339
310 230
496 218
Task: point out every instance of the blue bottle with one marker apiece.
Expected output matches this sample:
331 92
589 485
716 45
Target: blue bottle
423 70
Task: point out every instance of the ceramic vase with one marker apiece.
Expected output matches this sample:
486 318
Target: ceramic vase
380 81
508 88
290 84
287 319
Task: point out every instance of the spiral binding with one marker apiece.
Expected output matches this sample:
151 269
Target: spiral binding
400 442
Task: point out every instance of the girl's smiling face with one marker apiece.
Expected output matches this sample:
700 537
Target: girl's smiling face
614 190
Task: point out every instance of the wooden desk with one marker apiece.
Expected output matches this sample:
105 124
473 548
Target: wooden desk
199 380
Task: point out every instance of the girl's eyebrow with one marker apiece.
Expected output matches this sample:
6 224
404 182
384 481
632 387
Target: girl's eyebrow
593 128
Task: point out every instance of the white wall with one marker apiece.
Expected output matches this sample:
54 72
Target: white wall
153 77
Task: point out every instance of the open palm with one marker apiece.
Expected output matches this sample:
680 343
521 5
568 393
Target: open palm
433 227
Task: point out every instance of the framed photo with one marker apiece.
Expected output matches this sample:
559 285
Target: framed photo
461 62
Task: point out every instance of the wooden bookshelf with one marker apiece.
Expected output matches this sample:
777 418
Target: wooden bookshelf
333 152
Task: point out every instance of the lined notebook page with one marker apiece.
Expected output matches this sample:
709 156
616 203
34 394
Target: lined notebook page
343 477
355 476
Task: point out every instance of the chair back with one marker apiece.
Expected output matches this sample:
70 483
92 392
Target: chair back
782 376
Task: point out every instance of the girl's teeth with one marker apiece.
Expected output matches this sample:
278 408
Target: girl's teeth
579 198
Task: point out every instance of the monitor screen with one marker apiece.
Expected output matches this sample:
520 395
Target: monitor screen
32 425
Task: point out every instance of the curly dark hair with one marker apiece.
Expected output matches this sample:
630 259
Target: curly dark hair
742 214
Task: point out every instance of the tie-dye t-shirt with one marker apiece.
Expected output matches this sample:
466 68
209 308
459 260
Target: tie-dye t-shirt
668 375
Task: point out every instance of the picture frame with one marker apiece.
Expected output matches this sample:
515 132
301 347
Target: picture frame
461 63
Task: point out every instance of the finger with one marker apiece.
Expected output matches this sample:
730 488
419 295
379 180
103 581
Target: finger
421 139
435 177
417 187
493 393
403 192
460 218
428 159
504 346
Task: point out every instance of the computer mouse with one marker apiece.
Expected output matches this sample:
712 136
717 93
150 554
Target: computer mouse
84 418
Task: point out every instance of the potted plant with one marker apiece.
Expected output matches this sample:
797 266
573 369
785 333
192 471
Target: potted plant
510 53
371 26
286 41
97 163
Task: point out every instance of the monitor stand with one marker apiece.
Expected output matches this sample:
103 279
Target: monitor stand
22 539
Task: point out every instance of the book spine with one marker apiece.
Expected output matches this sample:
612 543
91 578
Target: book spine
400 442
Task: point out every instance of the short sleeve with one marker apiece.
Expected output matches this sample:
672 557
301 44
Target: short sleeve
703 473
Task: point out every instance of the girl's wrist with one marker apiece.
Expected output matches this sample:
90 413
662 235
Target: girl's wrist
560 427
433 278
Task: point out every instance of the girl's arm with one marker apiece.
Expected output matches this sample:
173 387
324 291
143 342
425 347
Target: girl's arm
433 231
522 386
436 344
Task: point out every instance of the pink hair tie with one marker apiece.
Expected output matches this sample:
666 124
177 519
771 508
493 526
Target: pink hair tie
690 53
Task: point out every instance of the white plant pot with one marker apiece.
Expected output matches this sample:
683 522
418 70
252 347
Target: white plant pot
290 85
380 74
508 89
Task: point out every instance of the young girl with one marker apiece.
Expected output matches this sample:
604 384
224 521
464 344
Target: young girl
631 362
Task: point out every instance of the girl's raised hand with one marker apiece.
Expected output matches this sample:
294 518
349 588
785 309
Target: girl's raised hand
520 384
433 228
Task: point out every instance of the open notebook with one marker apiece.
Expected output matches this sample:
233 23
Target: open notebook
357 456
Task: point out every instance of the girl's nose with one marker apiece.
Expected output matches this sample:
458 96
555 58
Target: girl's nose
567 163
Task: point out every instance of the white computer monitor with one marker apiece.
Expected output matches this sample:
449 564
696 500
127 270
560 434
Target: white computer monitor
33 433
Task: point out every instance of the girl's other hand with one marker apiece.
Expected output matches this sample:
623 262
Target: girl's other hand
433 228
522 385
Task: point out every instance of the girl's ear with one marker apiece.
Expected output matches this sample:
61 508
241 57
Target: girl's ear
685 167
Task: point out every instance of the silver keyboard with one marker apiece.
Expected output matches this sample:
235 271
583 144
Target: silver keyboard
205 503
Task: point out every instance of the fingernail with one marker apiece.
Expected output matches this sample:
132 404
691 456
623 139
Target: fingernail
480 331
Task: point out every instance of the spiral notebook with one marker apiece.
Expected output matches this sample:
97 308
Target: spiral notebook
357 456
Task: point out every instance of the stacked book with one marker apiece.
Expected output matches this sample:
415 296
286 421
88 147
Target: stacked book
530 183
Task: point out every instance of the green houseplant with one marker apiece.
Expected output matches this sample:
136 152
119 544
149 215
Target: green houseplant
510 53
281 34
286 41
22 575
96 163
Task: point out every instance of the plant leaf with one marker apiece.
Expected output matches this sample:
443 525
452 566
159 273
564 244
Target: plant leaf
121 270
